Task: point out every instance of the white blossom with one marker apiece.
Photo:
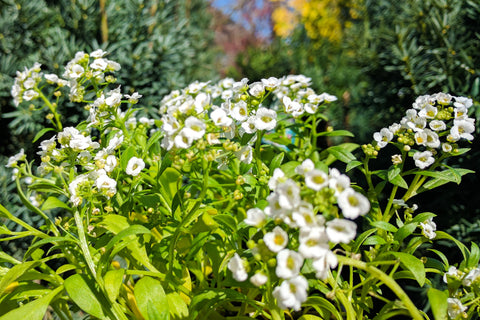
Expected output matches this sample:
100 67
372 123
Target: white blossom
265 119
291 293
237 267
353 204
134 166
341 230
423 159
289 263
276 240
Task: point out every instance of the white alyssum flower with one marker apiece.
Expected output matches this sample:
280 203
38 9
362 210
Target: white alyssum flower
455 308
454 273
265 119
258 279
110 163
316 179
463 128
472 277
133 98
29 95
307 165
249 125
237 267
288 194
353 204
239 111
183 139
276 240
245 154
423 159
195 127
341 230
220 118
13 160
134 166
277 178
328 97
437 125
428 228
383 137
106 185
75 187
313 241
322 265
257 89
270 83
289 263
291 293
255 217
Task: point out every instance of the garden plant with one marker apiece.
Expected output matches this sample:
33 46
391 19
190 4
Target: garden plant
226 206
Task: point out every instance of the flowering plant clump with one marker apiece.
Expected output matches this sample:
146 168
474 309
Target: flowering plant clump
225 206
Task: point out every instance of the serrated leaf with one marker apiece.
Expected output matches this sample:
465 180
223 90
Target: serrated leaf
80 289
151 299
412 264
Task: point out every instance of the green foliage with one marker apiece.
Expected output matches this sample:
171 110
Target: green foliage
162 45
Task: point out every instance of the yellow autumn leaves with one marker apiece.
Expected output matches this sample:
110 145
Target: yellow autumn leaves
322 19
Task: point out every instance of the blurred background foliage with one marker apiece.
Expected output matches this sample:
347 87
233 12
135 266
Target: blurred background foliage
376 56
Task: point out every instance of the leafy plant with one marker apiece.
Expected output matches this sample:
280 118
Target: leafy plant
169 218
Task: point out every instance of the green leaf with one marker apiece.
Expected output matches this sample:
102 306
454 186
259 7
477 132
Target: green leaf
276 162
361 238
374 240
154 138
41 133
438 303
336 133
460 245
442 256
398 181
34 310
128 232
424 216
322 304
65 267
15 272
169 181
412 264
474 256
342 153
81 291
53 202
113 281
405 231
151 299
178 307
289 168
126 156
353 164
384 226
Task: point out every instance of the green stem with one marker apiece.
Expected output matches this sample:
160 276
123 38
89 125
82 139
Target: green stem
388 281
386 214
30 206
52 109
258 146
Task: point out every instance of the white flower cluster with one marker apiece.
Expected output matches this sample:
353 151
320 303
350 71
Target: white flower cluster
436 121
459 283
290 207
25 83
230 109
81 66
